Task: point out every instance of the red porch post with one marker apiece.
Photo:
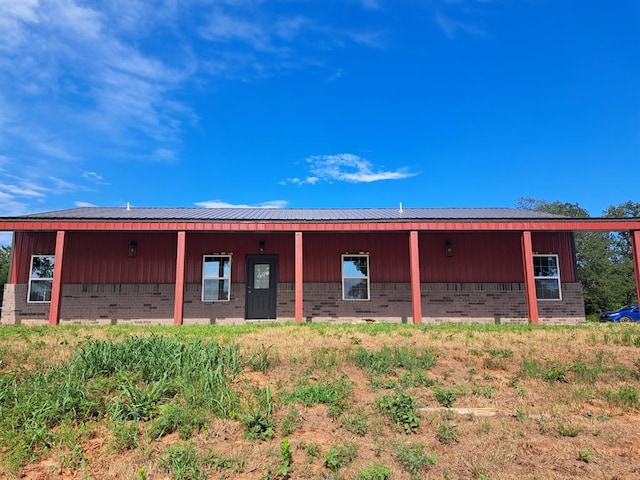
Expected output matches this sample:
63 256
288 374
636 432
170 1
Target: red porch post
13 274
529 278
299 281
635 244
414 263
56 288
178 305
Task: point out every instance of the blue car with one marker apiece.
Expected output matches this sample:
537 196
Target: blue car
624 314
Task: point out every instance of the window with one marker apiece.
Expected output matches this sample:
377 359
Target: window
216 278
355 277
547 276
40 279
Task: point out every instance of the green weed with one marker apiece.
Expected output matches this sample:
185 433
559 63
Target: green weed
181 461
584 455
257 418
400 409
375 471
291 421
447 433
340 455
445 397
356 421
412 458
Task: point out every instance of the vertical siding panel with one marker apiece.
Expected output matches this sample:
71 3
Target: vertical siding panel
32 243
560 243
101 257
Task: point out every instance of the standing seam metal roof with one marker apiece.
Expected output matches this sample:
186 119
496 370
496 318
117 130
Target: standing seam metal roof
288 214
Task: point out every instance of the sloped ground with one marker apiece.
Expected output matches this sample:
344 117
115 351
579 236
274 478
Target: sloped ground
551 403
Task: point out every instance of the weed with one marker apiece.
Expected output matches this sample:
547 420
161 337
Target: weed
334 393
486 392
375 471
356 422
175 417
412 458
415 378
124 436
401 410
257 419
445 397
625 396
324 358
521 415
568 431
384 383
291 421
340 455
500 352
261 360
281 472
584 455
447 433
387 360
313 449
182 463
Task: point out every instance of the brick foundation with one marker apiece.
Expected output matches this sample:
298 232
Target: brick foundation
390 302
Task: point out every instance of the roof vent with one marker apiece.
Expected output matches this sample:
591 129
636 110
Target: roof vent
128 206
400 211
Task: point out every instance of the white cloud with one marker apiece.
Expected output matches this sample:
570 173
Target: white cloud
91 176
84 204
346 167
451 26
337 75
221 204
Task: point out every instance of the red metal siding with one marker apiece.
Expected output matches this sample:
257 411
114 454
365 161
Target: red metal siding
477 257
199 244
560 243
101 257
389 255
488 256
92 257
31 243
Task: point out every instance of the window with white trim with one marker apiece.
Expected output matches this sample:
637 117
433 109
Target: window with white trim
216 278
40 279
355 277
546 271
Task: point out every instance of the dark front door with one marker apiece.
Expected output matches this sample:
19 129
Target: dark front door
261 285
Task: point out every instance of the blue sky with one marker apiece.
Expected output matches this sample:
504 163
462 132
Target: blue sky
309 103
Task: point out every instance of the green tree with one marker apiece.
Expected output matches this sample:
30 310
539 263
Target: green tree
621 254
603 259
5 259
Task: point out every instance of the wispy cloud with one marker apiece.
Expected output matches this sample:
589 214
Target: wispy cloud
451 27
338 74
346 167
221 204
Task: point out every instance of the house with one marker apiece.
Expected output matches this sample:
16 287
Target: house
234 265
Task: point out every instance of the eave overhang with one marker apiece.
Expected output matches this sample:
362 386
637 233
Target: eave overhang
572 225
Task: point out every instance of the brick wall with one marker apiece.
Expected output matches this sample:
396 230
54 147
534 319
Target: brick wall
390 302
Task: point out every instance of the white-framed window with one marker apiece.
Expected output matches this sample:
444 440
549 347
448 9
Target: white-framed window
216 278
40 279
355 277
546 271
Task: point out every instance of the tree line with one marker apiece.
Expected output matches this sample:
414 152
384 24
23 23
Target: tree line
604 260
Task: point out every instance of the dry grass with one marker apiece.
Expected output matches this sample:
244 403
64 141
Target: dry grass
566 401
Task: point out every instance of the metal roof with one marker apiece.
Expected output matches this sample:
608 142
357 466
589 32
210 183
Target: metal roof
287 214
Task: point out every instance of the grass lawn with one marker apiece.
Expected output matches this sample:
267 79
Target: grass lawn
366 402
